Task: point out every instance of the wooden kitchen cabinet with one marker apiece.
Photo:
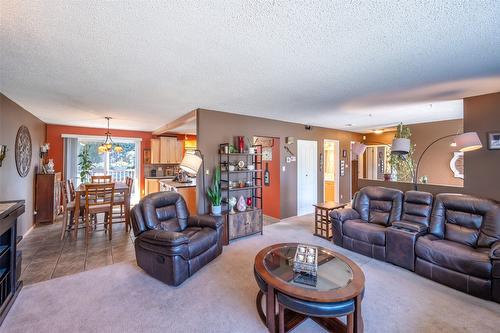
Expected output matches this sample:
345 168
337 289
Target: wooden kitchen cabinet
189 195
155 151
151 186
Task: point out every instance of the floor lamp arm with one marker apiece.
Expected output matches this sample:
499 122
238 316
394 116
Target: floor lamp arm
415 177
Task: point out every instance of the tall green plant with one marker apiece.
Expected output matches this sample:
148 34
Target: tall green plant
85 164
403 166
214 192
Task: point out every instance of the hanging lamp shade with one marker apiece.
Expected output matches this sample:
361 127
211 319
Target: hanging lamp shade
400 146
358 149
468 141
191 163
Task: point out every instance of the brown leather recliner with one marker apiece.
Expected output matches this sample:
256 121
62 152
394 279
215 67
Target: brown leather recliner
362 228
462 249
170 245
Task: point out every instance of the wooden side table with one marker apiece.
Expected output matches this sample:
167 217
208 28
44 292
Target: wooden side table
322 225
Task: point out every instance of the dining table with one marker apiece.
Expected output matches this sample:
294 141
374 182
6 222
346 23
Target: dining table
120 188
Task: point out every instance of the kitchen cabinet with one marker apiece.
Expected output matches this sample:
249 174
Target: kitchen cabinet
151 186
155 151
166 150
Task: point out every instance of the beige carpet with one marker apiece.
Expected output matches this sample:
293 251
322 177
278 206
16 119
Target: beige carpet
221 297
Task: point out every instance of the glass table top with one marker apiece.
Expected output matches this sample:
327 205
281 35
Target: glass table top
333 273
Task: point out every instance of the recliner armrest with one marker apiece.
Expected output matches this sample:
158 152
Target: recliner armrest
410 226
205 221
164 238
495 251
344 214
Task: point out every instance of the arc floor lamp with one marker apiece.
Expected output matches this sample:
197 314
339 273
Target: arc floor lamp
191 163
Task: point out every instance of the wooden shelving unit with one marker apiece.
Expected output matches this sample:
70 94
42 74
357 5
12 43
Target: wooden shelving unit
249 222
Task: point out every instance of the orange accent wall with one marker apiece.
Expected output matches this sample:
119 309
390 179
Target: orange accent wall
272 192
54 137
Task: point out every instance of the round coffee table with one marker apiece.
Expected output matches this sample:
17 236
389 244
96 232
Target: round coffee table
338 279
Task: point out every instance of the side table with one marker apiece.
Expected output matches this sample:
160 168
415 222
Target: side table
322 225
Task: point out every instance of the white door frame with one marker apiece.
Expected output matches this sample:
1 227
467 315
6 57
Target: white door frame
336 163
311 180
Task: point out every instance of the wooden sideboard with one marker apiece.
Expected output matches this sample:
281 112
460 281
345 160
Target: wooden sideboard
47 197
241 224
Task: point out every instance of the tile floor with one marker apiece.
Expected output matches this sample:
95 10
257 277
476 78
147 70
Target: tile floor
45 256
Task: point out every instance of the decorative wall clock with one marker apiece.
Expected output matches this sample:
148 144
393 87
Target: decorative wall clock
23 151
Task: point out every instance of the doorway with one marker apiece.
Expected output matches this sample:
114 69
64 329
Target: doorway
330 174
307 176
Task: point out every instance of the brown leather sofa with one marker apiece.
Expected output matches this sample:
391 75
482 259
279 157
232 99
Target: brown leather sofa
362 228
456 242
460 249
170 245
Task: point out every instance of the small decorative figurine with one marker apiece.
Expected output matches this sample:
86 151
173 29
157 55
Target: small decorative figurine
232 202
241 205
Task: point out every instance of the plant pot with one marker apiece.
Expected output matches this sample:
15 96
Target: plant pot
400 146
216 210
387 177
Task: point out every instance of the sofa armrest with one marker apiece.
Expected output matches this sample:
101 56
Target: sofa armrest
495 251
410 226
344 214
205 221
164 238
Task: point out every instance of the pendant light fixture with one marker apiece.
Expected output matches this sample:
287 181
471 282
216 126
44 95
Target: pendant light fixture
108 145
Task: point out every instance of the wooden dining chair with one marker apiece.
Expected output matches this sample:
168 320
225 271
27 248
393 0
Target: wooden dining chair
71 190
120 201
100 179
99 199
68 206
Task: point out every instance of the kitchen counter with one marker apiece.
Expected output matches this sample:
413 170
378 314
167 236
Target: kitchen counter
160 177
177 184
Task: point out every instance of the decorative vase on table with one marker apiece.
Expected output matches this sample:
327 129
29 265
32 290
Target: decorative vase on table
50 166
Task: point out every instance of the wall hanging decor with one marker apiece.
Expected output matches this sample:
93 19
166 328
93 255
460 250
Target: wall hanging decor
23 151
3 152
494 140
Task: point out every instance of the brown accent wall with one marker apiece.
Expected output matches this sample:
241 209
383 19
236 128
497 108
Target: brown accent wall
436 162
434 189
13 186
482 175
214 127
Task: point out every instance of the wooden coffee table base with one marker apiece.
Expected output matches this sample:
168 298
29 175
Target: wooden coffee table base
294 319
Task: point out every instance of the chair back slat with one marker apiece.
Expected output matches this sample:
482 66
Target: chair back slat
100 179
64 193
71 187
99 194
130 183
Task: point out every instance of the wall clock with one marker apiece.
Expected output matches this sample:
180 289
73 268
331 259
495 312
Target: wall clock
23 151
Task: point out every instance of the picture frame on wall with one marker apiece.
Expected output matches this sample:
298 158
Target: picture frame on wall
494 140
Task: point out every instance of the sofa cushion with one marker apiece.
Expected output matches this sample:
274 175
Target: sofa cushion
200 240
455 256
367 232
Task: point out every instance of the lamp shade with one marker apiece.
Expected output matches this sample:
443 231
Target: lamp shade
468 141
358 149
400 146
191 163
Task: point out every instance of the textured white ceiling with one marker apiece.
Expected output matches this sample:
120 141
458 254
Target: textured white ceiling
325 63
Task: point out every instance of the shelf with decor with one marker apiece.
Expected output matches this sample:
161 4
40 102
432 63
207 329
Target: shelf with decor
241 179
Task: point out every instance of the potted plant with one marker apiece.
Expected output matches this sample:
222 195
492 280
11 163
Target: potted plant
214 194
401 141
85 165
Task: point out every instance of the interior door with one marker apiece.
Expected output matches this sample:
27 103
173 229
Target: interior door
307 176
